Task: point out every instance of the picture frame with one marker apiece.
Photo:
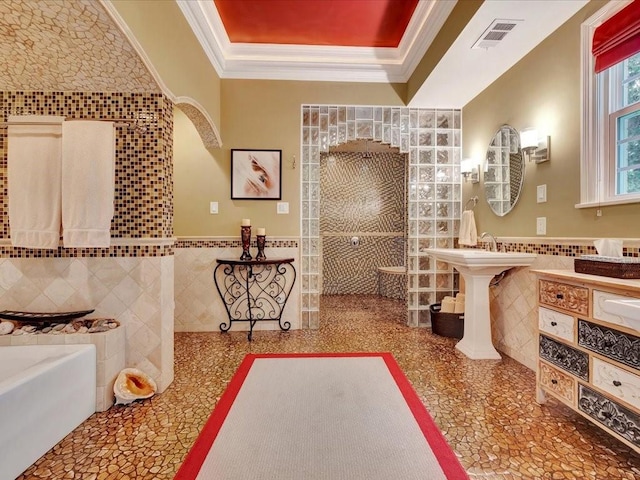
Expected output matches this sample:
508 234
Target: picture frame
256 174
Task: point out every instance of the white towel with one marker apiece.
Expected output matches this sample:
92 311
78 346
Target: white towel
33 177
468 232
88 183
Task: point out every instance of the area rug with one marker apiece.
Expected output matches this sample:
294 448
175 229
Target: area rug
320 416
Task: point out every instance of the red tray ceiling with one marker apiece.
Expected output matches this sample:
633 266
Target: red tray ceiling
354 23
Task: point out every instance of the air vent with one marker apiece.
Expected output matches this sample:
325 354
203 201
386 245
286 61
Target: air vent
495 33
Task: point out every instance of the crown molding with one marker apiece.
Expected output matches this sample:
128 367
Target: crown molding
315 62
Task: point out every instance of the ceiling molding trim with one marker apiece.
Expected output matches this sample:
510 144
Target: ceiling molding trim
207 26
313 62
270 70
124 28
435 17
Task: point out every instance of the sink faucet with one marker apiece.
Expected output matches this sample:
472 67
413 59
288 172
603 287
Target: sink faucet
494 243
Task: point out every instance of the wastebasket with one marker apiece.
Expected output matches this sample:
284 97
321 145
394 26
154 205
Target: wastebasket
446 324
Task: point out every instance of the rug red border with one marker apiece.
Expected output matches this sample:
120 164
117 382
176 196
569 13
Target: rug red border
446 457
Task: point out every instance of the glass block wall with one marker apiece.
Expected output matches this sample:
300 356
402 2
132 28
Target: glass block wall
432 140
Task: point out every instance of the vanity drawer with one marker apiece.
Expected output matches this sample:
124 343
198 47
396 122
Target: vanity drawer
621 384
567 297
567 358
558 382
599 312
610 343
608 413
556 323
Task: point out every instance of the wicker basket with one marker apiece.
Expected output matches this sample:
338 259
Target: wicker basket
629 270
446 324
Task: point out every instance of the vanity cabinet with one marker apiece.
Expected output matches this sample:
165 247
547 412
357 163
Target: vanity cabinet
589 359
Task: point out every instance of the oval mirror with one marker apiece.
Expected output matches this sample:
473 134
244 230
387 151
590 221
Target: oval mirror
503 171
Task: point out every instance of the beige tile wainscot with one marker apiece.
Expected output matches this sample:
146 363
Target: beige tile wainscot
589 358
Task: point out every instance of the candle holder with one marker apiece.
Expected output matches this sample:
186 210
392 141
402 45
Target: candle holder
260 241
246 241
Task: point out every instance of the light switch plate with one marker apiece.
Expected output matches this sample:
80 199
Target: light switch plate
541 226
541 193
282 208
213 208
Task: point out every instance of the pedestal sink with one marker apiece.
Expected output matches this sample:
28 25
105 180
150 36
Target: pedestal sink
478 267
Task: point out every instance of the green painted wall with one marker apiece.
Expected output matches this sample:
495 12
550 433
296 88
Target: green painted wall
255 114
174 51
543 91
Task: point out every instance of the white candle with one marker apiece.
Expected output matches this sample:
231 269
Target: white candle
260 231
246 222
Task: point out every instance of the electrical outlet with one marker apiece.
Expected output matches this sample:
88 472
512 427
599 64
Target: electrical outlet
541 226
213 208
541 193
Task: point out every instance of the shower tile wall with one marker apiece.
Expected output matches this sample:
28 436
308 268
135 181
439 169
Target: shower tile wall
132 280
432 140
364 198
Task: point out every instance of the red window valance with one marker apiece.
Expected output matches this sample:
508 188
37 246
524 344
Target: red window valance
618 38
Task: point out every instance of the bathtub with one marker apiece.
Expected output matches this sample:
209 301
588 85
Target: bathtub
45 392
392 282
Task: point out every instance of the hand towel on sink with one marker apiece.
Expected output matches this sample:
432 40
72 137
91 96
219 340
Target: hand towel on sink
468 233
88 183
33 180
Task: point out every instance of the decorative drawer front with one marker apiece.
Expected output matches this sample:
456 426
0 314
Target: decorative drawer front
608 413
556 381
569 359
601 314
556 323
623 385
618 346
567 297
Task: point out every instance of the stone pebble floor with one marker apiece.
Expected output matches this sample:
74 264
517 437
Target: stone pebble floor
486 409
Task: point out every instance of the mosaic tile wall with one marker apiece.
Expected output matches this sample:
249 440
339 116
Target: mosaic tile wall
432 140
48 42
198 307
144 170
365 198
132 281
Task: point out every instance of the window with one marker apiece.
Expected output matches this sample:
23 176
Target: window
610 155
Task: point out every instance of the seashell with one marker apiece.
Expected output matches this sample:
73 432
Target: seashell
98 329
83 329
133 384
29 328
6 328
46 329
69 329
18 331
57 327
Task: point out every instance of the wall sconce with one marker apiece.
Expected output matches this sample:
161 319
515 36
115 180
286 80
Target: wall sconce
533 147
469 170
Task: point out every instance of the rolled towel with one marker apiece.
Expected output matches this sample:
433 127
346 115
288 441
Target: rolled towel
459 303
448 305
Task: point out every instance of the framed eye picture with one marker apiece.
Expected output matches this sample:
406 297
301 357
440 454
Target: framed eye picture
256 174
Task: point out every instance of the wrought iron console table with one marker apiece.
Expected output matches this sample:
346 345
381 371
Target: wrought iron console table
254 290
